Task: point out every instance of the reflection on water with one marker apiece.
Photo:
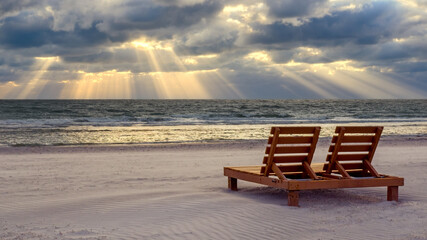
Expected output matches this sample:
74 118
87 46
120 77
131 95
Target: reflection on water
78 135
75 122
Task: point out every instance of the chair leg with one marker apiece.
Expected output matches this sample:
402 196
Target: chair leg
392 193
293 198
232 183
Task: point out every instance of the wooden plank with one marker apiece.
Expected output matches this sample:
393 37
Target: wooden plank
341 170
313 145
251 169
349 157
392 193
292 140
272 182
317 167
309 170
357 129
278 172
287 168
293 198
351 148
271 152
331 176
232 183
332 158
354 139
315 184
286 159
351 172
375 143
345 183
288 149
347 166
370 168
293 130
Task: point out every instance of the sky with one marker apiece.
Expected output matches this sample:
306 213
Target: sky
205 49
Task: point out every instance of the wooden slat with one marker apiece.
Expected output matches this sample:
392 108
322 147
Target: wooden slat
354 139
330 176
345 183
332 157
370 168
293 130
347 166
375 143
277 171
309 170
313 145
349 157
358 129
255 178
352 148
292 140
289 149
271 152
288 168
341 170
287 159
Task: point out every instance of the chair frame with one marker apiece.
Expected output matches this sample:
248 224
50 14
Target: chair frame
309 176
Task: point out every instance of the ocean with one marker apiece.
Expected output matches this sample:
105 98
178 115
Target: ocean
83 122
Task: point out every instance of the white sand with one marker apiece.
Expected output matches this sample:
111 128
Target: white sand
179 192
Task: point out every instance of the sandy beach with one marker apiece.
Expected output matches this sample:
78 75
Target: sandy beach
178 191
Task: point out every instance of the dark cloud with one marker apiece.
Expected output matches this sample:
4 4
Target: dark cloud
88 37
210 40
91 58
148 17
10 6
11 61
372 24
27 30
7 75
294 8
411 67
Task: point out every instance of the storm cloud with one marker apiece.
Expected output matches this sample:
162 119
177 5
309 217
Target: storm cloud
290 46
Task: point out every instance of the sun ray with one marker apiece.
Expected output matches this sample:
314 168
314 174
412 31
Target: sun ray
109 84
288 73
33 87
179 83
228 85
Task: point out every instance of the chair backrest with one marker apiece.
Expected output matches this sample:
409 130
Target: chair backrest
351 151
290 151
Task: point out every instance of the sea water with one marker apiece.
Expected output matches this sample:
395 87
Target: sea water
81 122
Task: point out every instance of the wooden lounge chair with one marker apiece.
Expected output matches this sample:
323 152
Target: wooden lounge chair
287 164
288 157
350 155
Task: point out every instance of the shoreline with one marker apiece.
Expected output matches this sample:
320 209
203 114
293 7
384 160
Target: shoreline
403 140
